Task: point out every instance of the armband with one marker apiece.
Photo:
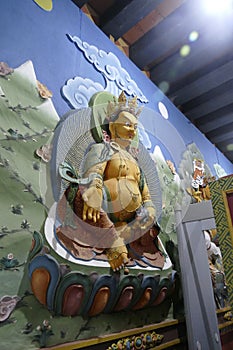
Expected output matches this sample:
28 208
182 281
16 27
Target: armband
94 176
97 180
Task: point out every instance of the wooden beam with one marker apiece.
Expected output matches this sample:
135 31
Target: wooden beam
229 155
224 143
195 74
126 14
213 124
208 96
174 325
211 46
223 140
166 37
220 132
80 3
210 106
202 85
214 116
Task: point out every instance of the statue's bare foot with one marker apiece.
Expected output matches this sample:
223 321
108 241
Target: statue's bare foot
117 255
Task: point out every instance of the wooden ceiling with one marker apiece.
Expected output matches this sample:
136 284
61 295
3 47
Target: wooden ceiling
185 50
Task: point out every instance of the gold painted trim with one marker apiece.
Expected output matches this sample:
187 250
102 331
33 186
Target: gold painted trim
223 310
229 219
225 325
219 190
169 344
81 344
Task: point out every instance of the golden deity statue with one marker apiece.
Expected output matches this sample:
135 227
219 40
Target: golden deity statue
112 213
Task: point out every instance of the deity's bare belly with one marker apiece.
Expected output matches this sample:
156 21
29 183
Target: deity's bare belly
121 179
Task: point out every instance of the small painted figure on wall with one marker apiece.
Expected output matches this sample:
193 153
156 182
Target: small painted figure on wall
200 182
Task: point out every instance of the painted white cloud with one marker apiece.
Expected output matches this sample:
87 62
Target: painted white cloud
78 91
110 66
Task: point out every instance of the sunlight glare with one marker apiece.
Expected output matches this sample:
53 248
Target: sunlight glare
217 6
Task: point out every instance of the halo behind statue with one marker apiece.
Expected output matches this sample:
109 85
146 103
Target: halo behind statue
99 103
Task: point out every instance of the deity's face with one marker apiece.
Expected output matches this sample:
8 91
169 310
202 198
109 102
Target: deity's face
124 127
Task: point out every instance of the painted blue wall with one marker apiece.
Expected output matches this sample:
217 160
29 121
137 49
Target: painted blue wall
30 33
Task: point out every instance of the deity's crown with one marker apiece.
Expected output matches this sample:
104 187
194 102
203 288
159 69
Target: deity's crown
122 104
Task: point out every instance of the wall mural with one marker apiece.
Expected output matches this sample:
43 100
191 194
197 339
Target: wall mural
31 139
52 243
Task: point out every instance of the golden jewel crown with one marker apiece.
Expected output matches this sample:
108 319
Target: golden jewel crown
122 104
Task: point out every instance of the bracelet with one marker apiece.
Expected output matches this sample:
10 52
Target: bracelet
98 183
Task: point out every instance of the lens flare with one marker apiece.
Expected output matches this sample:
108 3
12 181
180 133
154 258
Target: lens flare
193 36
185 50
164 86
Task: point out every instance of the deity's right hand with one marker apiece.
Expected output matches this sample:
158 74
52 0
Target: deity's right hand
92 198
